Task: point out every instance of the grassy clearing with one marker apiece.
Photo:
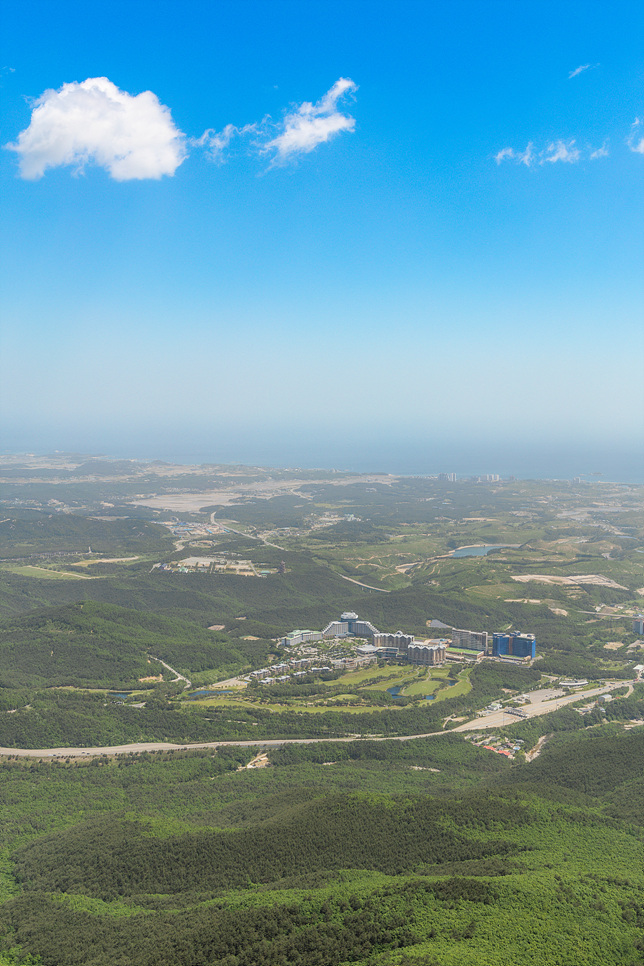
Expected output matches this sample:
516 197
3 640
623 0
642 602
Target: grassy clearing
43 573
225 700
331 706
493 590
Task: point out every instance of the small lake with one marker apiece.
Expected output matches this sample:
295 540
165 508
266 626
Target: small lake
119 694
206 693
483 550
429 697
395 691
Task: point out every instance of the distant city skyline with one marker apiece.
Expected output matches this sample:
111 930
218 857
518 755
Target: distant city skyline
404 234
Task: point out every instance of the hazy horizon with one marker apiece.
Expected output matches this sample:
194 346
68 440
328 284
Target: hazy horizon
406 458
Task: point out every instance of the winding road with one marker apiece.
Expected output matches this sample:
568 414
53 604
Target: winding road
547 702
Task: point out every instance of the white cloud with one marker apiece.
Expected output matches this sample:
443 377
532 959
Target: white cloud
558 151
635 140
216 142
520 157
131 136
580 70
527 157
312 124
600 152
567 152
505 154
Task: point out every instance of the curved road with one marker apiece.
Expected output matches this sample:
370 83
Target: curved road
351 580
550 701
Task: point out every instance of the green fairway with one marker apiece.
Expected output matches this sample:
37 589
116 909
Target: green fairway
383 673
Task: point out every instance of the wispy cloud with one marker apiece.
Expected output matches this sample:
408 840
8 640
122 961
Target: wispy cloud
566 152
521 157
131 136
580 70
505 154
635 139
526 157
216 143
559 151
312 124
600 152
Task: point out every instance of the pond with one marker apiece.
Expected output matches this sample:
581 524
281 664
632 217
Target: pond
482 550
395 691
119 694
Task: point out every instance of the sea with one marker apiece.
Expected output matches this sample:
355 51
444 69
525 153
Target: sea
423 458
362 453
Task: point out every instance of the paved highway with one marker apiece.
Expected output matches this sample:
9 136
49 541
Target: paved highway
547 701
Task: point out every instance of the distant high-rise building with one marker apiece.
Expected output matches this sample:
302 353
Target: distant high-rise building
350 625
638 624
470 640
426 653
447 477
398 640
514 644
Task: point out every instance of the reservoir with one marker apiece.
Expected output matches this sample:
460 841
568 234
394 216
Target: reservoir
482 550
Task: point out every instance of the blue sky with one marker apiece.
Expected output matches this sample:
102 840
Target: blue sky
345 224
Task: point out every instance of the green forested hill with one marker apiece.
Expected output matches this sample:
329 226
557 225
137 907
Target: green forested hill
41 533
102 645
374 859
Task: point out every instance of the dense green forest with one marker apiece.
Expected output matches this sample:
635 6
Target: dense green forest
102 645
37 534
429 852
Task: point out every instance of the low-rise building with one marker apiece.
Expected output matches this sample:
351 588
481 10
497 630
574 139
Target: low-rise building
300 637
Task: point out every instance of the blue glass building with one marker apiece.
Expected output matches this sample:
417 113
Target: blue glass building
514 644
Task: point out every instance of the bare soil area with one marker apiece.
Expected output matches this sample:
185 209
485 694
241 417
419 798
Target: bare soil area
191 502
577 581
